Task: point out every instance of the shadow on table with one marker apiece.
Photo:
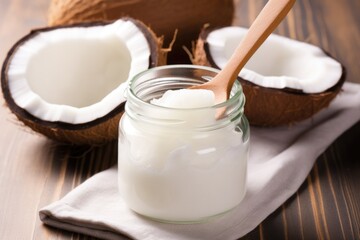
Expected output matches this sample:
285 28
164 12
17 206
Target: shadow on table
77 163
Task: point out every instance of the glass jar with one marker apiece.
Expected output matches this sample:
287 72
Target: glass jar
181 165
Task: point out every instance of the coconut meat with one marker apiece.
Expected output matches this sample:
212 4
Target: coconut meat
279 63
77 74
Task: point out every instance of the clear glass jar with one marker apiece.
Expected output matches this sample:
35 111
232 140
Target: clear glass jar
181 165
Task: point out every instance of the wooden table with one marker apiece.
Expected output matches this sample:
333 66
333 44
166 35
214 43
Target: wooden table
35 171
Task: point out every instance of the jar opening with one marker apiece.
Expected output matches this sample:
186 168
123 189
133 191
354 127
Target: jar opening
153 83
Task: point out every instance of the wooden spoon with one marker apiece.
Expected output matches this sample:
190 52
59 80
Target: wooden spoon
265 23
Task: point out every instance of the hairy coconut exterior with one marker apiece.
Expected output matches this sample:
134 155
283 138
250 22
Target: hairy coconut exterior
269 107
96 132
164 17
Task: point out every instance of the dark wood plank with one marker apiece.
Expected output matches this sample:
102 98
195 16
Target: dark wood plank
35 171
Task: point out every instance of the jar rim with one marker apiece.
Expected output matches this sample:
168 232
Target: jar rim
232 99
155 82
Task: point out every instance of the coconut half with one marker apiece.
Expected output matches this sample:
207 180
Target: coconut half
285 81
68 82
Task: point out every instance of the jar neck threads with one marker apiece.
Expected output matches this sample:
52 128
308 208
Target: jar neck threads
154 82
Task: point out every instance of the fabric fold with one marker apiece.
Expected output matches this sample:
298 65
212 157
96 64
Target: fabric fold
280 160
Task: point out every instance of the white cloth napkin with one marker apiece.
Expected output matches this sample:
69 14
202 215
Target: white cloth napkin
280 160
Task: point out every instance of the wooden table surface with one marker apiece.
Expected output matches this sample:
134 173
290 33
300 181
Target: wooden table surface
35 171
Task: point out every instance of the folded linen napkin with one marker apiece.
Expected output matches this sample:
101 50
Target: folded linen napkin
280 160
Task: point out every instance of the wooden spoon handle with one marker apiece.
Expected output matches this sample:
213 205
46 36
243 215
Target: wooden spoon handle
265 23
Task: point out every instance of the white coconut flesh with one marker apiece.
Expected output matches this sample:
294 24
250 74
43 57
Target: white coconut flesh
78 74
279 63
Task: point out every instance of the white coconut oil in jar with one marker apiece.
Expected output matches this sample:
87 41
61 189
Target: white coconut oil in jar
177 161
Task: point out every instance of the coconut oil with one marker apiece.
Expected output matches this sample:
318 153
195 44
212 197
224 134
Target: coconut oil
177 161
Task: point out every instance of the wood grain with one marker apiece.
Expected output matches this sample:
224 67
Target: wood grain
35 171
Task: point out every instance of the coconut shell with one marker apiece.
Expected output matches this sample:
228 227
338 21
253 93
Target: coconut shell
164 17
269 107
98 131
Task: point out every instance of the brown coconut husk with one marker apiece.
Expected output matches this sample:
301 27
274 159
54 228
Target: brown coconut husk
98 131
269 107
164 17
